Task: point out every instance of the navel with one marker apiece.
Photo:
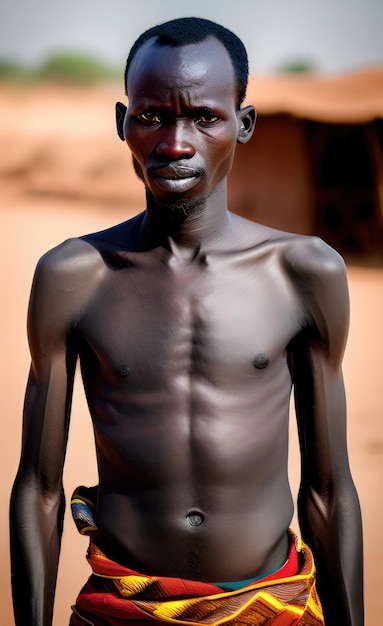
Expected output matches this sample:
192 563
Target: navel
195 518
261 361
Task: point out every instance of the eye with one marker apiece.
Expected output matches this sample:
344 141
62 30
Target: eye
207 118
149 117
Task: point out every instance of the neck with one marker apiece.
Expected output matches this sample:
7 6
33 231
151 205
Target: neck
190 227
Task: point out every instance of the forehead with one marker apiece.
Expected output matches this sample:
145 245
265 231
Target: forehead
202 66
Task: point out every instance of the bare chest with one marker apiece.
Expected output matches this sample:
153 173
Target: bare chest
217 320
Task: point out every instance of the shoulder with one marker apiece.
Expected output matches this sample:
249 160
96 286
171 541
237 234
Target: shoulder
318 274
72 259
313 260
301 255
80 255
305 257
64 280
123 236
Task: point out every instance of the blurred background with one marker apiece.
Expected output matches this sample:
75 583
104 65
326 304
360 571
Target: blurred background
314 166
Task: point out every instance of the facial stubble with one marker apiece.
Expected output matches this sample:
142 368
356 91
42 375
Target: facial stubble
174 211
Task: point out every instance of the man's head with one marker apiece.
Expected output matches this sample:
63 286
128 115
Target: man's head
189 30
184 117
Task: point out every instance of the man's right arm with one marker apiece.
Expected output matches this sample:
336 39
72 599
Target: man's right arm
37 503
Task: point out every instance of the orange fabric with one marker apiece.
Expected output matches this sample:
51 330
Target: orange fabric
115 595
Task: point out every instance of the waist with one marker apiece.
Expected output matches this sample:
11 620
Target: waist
228 545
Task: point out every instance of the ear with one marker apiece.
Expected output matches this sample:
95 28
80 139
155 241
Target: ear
246 119
120 117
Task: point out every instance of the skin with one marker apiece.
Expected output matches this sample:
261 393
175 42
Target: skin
192 325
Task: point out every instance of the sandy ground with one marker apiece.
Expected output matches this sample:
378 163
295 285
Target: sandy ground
38 210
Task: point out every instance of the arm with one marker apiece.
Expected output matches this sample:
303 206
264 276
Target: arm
37 503
328 506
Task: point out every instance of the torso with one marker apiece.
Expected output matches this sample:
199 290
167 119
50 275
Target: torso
185 364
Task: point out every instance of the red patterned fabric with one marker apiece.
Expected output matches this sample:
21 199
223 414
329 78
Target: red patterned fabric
115 595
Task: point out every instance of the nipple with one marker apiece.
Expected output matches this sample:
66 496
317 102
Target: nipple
122 371
195 518
261 361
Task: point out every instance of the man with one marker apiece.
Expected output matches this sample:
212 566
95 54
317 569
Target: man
191 325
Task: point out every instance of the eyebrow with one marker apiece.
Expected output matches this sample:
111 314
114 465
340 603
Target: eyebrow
166 110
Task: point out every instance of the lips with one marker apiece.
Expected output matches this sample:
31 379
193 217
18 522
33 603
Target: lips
176 178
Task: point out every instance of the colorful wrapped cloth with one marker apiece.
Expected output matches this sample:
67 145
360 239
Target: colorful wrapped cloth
115 595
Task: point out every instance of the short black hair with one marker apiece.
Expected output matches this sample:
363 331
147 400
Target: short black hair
189 30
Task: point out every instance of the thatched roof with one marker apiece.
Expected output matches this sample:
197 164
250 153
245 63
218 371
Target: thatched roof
349 98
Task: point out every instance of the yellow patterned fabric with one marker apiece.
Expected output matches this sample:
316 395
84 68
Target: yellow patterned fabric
116 595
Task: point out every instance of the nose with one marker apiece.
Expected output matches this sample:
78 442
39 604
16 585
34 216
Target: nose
176 140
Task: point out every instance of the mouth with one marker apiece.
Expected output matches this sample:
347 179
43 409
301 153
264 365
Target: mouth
176 178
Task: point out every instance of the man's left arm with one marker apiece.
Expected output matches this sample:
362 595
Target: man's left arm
328 505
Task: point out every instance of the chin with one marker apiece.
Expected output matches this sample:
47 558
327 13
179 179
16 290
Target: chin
175 210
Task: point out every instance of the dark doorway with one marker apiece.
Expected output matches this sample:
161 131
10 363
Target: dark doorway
346 178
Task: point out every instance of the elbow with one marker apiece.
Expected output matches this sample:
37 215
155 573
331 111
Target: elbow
316 504
30 493
333 501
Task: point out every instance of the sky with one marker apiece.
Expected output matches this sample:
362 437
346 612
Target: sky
335 36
